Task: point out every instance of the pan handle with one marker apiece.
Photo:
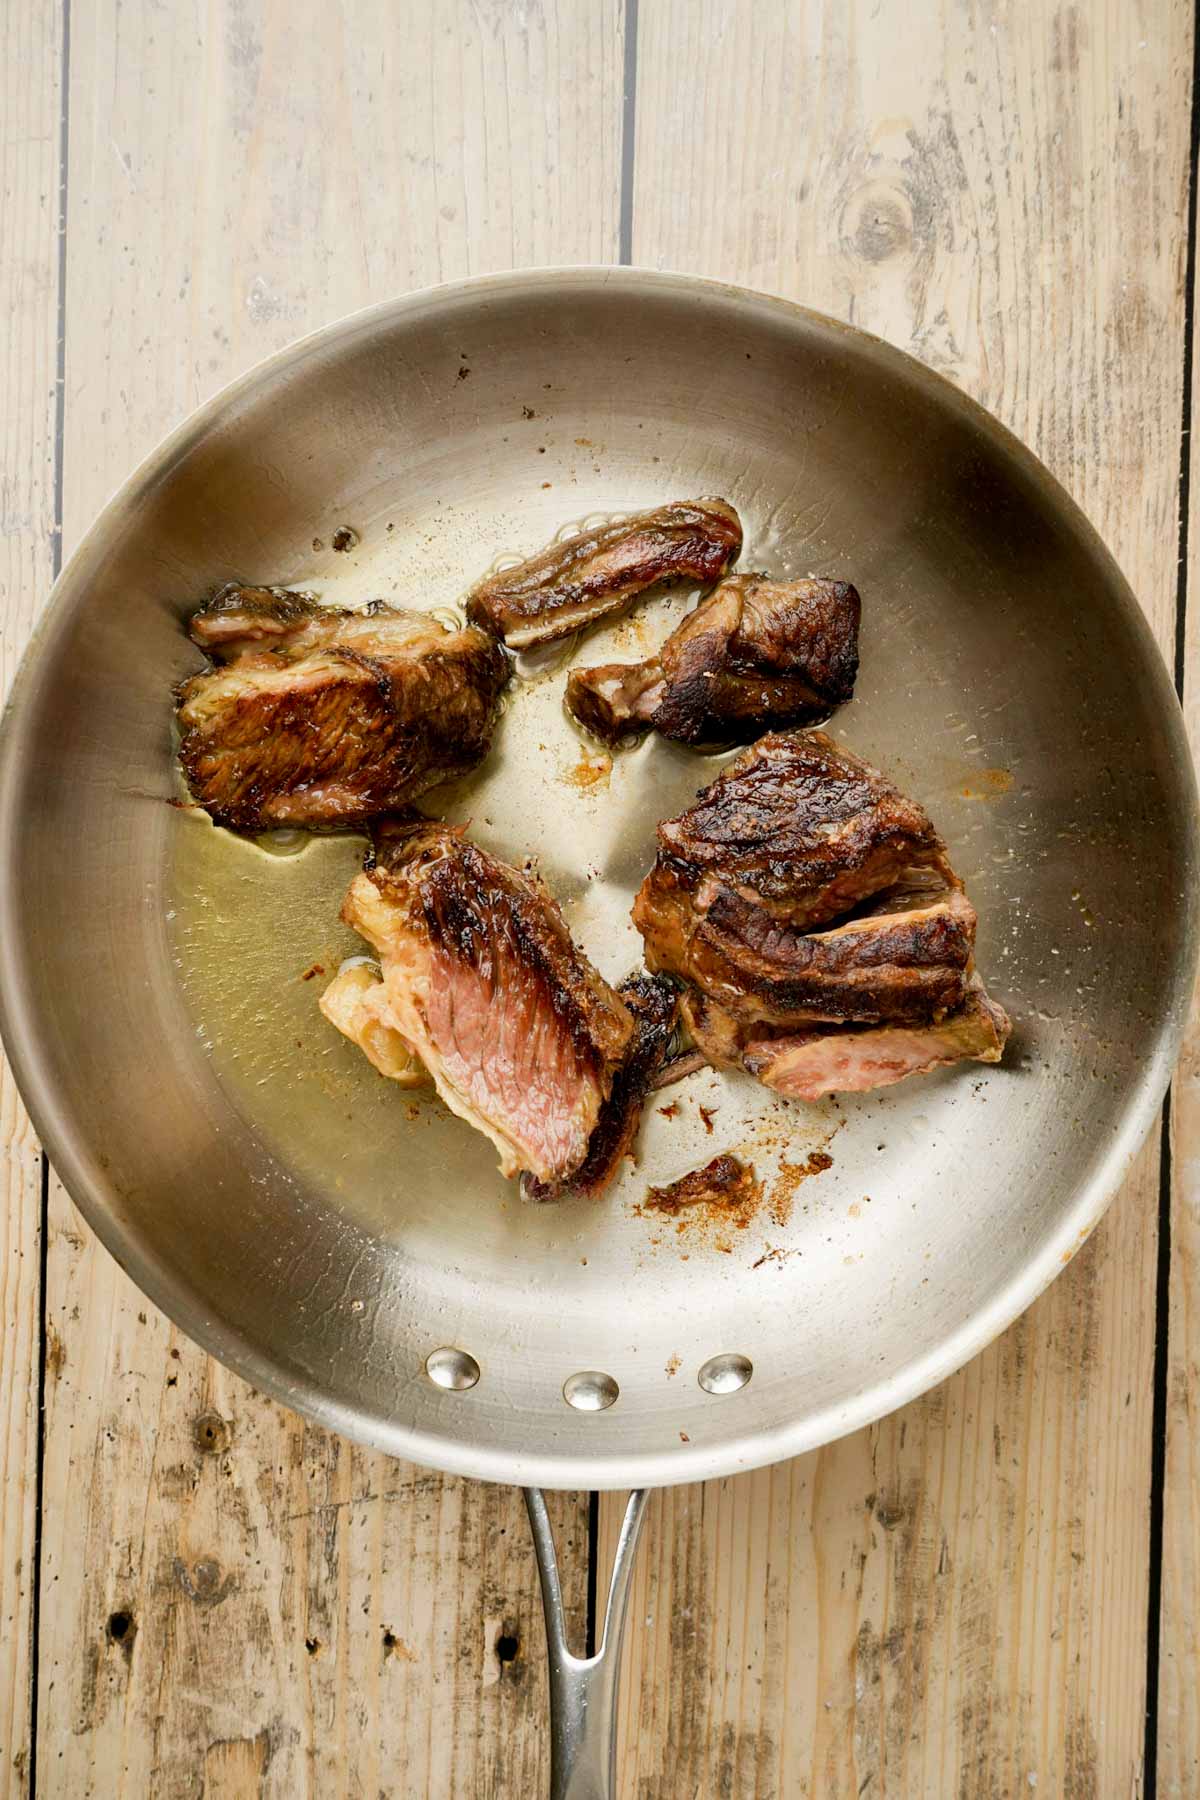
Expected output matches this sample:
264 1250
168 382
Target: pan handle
583 1690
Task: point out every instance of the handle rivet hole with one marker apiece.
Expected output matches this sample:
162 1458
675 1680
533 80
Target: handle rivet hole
453 1369
590 1391
726 1373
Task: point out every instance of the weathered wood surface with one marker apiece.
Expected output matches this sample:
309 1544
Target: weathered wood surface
29 201
954 1602
233 1602
1179 1621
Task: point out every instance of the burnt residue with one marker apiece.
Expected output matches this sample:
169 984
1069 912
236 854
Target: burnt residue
726 1189
789 1178
587 774
344 538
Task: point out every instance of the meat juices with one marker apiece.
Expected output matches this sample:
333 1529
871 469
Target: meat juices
755 655
826 941
483 983
595 573
323 719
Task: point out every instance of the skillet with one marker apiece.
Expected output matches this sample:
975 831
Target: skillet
353 1252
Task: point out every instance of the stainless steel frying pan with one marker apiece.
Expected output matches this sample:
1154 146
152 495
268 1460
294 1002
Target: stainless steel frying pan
355 1253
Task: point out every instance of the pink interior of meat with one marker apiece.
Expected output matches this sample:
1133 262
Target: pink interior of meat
508 1055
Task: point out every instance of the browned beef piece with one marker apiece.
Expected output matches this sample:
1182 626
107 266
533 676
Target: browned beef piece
797 825
814 915
238 616
908 964
654 1005
484 985
322 718
807 1064
755 655
585 578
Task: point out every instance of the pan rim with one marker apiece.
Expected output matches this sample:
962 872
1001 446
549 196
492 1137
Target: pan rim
169 1290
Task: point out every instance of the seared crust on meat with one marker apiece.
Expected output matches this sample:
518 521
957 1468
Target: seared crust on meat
812 911
796 823
595 573
654 1005
523 1038
754 656
322 719
903 965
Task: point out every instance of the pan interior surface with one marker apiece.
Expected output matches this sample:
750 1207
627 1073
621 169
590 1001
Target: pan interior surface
327 1233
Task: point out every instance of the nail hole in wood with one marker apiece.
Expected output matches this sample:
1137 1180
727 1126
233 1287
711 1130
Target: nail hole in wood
211 1434
508 1648
121 1628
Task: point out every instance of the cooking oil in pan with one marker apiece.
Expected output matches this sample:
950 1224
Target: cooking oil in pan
257 936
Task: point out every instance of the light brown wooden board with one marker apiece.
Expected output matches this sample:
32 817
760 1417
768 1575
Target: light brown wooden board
233 1602
955 1601
1179 1618
29 201
984 1617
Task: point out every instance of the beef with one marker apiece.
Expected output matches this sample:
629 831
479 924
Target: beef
482 982
906 964
755 655
321 718
654 1005
586 577
797 825
813 914
806 1065
238 616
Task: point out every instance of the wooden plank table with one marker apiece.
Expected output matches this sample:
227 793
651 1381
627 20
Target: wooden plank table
992 1592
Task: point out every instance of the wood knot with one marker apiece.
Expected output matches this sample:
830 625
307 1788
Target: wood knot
121 1630
203 1582
878 223
212 1434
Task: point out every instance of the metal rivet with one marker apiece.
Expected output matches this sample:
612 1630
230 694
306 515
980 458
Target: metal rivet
590 1391
726 1373
449 1368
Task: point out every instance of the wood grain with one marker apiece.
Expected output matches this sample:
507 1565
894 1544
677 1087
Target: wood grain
1179 1618
234 1602
29 202
954 1601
